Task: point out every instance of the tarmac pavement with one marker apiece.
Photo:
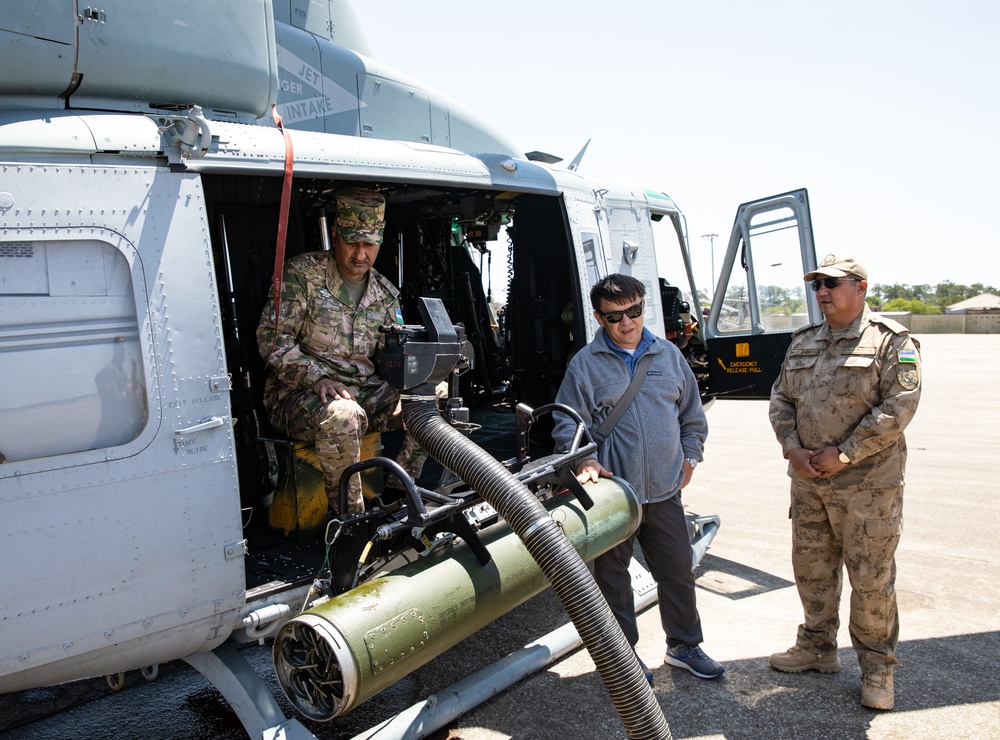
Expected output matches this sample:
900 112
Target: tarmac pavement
948 679
947 683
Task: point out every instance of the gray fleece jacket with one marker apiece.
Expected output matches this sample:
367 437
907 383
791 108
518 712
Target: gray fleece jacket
665 423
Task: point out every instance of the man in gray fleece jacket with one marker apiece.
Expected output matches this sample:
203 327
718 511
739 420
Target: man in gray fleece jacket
655 446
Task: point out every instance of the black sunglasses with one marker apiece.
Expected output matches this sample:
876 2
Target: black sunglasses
829 283
633 312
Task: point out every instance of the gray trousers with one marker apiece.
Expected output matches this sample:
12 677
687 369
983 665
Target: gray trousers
666 546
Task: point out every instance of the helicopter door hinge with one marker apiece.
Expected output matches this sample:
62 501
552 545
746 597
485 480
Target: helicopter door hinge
236 550
93 14
629 250
221 383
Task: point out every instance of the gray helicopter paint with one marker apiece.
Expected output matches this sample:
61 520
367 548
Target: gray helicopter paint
112 178
173 585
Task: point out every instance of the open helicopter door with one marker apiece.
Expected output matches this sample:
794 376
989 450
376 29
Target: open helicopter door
760 297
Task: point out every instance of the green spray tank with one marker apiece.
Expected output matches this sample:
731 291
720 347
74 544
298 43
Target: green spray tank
334 656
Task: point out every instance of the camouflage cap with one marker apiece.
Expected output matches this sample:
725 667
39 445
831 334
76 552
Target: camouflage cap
834 265
360 215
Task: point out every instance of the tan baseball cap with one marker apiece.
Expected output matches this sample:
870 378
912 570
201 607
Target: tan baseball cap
360 215
836 265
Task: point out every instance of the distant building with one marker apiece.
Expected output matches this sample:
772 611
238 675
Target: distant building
983 303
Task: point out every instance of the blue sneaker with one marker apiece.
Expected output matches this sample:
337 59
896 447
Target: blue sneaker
693 658
645 670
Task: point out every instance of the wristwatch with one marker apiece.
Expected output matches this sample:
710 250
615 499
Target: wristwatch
692 462
844 458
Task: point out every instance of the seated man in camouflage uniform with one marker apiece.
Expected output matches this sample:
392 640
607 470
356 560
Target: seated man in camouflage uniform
322 385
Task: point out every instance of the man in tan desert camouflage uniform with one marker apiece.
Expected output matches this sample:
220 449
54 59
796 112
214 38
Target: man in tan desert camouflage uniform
322 385
847 390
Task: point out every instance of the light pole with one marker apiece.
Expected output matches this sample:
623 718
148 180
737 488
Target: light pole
711 238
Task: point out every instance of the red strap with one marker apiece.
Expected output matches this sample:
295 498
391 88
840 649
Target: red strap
279 247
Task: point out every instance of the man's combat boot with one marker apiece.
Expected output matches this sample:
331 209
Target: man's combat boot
797 659
877 691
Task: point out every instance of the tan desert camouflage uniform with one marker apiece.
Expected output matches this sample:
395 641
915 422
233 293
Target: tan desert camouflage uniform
324 334
857 392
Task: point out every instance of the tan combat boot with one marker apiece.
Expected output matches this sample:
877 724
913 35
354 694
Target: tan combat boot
877 691
797 659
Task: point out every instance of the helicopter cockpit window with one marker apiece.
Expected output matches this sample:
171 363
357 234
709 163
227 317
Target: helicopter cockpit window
72 369
770 297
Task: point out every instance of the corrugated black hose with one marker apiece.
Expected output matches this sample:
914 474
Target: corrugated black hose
562 565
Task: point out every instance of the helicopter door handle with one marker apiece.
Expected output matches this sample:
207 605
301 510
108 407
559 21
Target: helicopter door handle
201 426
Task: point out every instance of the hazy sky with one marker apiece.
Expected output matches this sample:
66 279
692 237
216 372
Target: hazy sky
887 111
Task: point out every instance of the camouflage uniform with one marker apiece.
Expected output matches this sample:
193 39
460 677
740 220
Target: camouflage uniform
323 334
856 392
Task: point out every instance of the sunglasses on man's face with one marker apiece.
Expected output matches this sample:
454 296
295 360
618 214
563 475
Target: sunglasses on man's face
829 283
633 312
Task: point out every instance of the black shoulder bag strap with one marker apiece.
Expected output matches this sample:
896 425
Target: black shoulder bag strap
626 400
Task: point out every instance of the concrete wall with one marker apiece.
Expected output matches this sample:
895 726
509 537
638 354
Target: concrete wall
962 323
952 323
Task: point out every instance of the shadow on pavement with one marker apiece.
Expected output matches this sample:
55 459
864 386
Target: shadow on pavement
754 701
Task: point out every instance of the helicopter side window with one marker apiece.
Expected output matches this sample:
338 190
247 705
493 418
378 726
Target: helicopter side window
765 293
590 256
73 375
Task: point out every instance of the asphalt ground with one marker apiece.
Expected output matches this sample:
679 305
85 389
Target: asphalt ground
947 683
948 679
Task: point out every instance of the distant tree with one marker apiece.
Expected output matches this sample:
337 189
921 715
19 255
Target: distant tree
941 295
886 293
919 299
910 305
947 293
778 300
736 293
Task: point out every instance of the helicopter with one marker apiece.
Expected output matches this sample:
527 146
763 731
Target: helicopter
152 511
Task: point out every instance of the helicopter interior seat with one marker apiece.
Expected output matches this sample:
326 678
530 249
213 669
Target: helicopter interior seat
297 506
